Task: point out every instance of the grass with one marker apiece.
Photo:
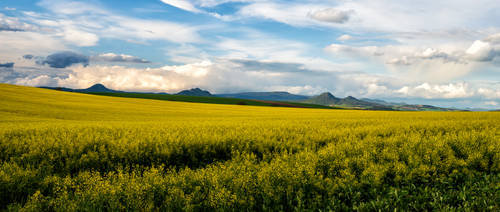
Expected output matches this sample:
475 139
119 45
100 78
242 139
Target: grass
212 100
62 151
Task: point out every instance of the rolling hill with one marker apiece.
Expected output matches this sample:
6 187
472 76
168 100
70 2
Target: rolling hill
93 88
370 104
281 99
195 95
347 102
269 96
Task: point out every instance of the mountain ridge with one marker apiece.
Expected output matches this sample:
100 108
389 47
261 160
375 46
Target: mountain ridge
269 96
324 99
329 99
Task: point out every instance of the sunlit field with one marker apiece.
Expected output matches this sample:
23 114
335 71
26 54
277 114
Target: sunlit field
63 151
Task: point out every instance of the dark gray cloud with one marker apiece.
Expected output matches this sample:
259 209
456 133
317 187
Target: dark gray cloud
65 59
8 28
255 65
6 65
28 57
277 67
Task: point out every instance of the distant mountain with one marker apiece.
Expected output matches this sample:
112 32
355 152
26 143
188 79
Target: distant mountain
423 108
372 104
382 102
351 101
323 99
194 92
348 102
97 88
269 96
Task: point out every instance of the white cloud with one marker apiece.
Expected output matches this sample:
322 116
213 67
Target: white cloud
344 37
266 48
294 14
489 93
14 24
352 51
331 15
483 51
222 76
436 63
212 3
200 69
182 4
491 103
79 37
79 21
16 44
112 57
458 90
494 39
400 61
187 53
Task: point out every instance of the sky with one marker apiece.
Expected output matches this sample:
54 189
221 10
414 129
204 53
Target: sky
440 52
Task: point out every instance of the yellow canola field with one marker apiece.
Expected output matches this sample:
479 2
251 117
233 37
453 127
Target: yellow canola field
63 151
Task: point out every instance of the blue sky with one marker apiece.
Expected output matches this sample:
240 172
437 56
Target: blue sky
439 52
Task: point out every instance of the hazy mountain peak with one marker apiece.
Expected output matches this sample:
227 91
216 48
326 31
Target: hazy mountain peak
97 86
195 92
327 94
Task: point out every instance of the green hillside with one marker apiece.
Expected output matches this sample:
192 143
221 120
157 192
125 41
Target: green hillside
212 100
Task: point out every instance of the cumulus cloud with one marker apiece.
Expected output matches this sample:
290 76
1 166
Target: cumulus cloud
220 76
65 59
120 58
427 54
6 65
331 15
229 75
483 51
431 53
489 93
429 91
41 76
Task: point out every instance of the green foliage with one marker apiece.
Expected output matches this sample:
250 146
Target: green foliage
76 152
